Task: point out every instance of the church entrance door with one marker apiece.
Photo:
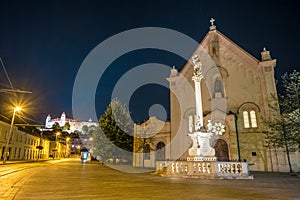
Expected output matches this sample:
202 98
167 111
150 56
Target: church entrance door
221 149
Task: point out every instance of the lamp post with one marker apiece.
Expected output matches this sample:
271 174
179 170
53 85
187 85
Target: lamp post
67 146
56 146
9 134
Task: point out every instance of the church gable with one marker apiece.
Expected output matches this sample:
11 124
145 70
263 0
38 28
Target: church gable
223 50
239 75
151 127
221 47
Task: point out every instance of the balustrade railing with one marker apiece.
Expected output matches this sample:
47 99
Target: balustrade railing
204 168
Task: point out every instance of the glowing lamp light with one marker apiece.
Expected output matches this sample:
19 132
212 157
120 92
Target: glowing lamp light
18 108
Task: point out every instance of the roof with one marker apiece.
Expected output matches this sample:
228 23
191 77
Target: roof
223 42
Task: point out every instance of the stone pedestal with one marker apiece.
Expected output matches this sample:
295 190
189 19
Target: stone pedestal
201 145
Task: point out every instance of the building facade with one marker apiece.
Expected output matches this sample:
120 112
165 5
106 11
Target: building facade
22 145
150 139
238 91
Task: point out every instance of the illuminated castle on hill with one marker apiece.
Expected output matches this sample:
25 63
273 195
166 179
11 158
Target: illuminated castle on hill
74 124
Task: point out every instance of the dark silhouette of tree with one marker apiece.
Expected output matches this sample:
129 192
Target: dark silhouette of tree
117 128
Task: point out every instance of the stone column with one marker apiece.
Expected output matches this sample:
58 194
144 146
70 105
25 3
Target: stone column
197 77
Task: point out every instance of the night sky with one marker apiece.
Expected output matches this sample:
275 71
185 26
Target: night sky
43 44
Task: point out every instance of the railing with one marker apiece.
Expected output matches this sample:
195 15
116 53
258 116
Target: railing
210 169
229 168
179 167
202 167
233 169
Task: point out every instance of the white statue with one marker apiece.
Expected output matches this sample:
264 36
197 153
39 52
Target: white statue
197 67
209 126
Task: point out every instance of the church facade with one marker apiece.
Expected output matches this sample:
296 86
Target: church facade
238 99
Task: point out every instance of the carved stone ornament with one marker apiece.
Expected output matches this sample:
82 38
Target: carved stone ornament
218 128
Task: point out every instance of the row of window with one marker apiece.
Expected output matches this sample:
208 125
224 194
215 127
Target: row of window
16 153
160 151
249 119
19 138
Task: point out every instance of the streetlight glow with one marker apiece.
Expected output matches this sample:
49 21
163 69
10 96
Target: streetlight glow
17 108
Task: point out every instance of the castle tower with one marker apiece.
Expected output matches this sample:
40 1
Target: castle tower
62 121
48 124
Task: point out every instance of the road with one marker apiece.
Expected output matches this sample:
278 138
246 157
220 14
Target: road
69 179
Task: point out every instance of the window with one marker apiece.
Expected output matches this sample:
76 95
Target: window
160 151
246 119
147 152
249 121
253 119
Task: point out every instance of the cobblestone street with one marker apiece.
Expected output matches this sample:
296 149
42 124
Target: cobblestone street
70 179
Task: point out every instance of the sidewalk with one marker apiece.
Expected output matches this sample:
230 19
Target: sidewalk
8 162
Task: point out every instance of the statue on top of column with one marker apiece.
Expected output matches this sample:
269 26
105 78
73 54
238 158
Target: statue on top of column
197 68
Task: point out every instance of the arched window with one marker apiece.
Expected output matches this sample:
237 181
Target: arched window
218 89
253 119
249 119
160 151
246 119
147 152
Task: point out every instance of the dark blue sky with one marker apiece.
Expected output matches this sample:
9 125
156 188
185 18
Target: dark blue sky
43 43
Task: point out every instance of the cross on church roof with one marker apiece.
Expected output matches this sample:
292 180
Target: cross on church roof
212 20
212 26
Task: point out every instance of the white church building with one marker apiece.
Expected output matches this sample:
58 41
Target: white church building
237 92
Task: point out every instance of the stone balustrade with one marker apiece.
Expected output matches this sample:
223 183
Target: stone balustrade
232 169
204 169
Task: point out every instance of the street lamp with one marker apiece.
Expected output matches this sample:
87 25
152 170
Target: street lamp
9 134
57 134
56 146
67 146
